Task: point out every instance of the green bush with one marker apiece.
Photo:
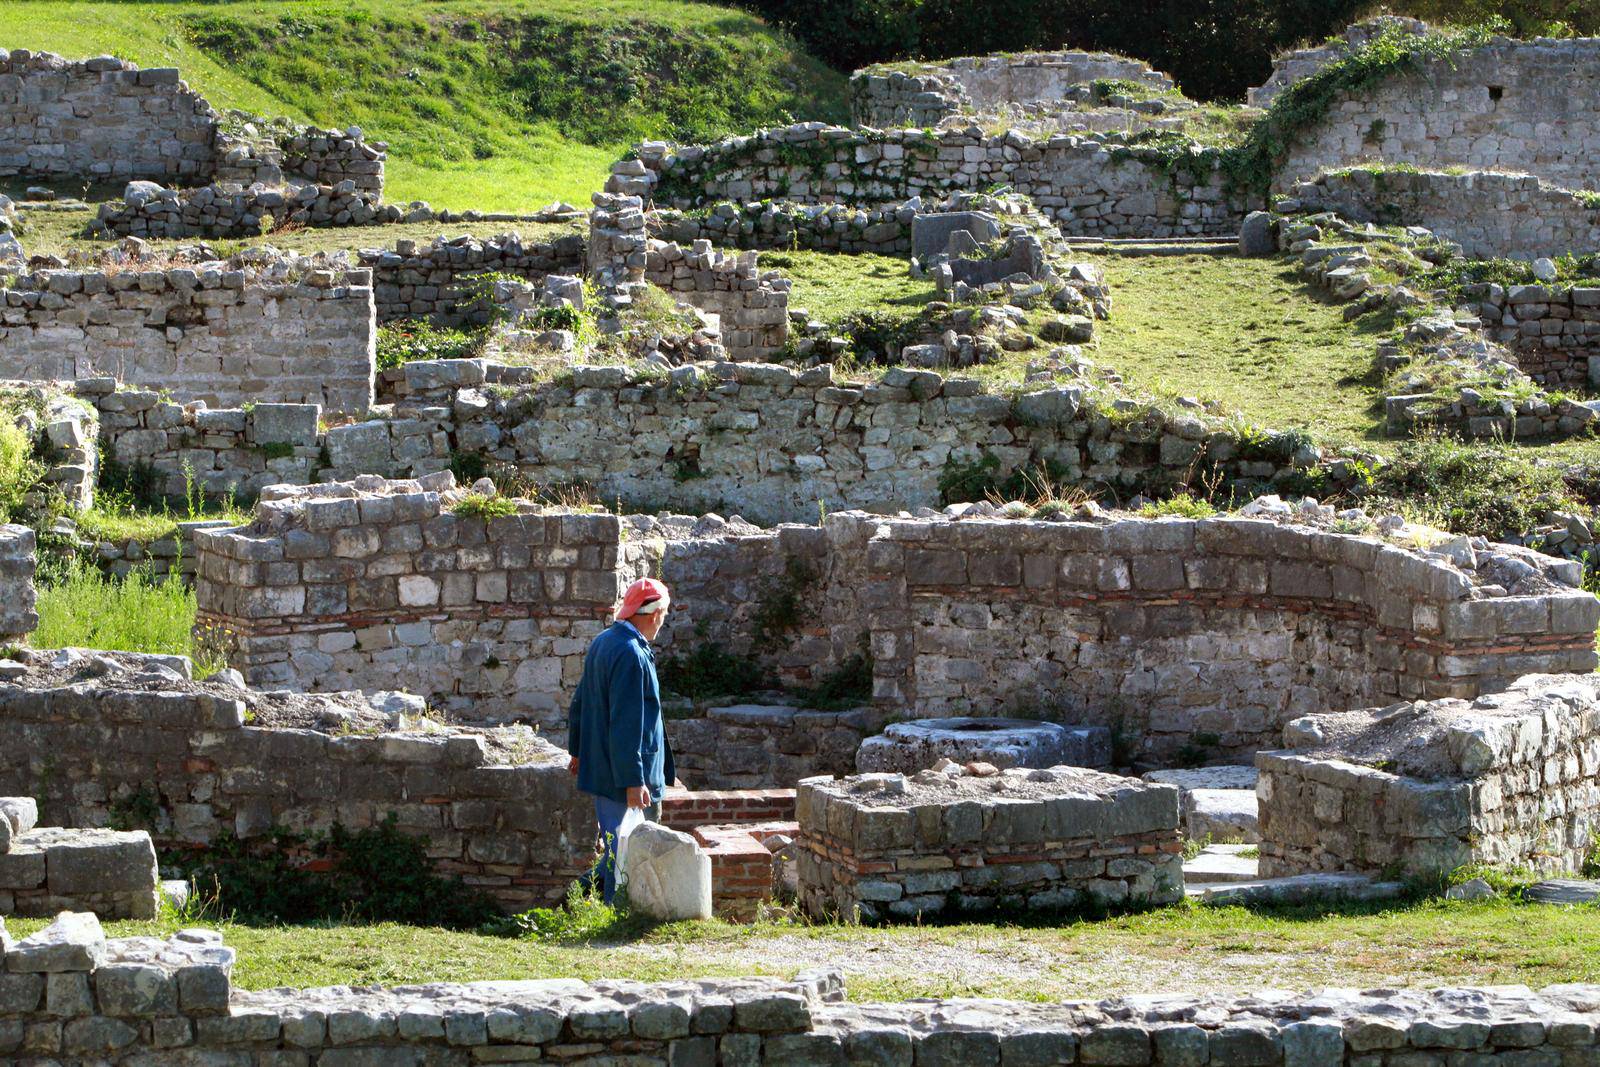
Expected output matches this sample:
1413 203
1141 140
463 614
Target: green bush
1486 489
709 669
373 875
408 340
18 469
480 506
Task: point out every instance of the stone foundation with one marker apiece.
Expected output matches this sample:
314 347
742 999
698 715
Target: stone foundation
884 846
1510 779
17 617
44 870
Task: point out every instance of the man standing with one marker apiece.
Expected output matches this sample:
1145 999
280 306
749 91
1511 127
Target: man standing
614 729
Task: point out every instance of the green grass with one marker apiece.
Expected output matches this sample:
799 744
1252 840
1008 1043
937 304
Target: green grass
1248 333
1184 949
87 609
831 286
494 104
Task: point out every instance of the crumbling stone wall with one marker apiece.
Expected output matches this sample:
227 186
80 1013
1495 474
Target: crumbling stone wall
17 562
1490 215
752 304
64 429
884 97
231 210
882 846
1301 62
44 870
101 118
496 808
1510 779
290 331
1087 187
1552 331
1520 106
750 746
414 281
783 225
1183 635
141 1000
380 585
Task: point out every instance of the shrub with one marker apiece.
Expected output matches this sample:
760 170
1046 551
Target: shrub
1488 489
18 469
1183 505
480 506
409 340
709 669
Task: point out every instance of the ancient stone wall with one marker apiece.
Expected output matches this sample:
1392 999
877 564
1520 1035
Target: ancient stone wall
291 331
17 617
231 210
1520 106
882 846
138 1001
1191 637
1301 62
381 585
781 226
1553 331
44 870
100 118
1490 215
751 746
431 282
932 93
1088 188
496 808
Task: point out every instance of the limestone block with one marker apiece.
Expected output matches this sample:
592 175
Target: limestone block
74 942
1223 815
667 873
18 815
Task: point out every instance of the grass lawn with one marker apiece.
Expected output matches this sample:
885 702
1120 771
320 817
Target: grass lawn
495 104
1184 949
86 609
831 286
1248 333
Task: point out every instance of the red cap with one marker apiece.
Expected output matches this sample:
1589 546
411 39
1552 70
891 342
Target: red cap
646 592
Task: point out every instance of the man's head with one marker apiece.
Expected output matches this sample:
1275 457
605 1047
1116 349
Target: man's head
645 605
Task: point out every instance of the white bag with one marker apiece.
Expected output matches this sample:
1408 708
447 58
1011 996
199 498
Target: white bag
630 822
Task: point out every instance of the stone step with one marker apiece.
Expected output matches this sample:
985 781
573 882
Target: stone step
1222 863
1333 885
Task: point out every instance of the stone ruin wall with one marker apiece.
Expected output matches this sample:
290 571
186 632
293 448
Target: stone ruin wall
1167 631
1303 62
414 281
885 98
378 585
17 616
68 992
521 832
45 870
1515 216
221 334
1519 787
1520 106
752 304
102 119
782 226
1086 187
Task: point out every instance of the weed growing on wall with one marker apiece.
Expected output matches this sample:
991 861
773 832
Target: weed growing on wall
19 470
407 340
483 506
378 874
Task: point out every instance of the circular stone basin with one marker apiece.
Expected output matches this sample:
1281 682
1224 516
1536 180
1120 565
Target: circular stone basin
908 747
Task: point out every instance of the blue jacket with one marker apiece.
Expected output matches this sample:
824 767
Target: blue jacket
614 725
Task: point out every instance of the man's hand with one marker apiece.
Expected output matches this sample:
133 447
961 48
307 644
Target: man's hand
639 796
572 765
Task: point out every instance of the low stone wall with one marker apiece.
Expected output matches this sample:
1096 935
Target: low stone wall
1489 214
288 331
102 119
883 846
1085 186
249 156
785 225
1552 331
753 305
232 210
1191 636
749 746
495 807
44 870
380 585
414 281
1509 779
17 617
932 93
142 1000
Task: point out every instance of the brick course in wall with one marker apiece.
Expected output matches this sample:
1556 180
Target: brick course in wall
293 331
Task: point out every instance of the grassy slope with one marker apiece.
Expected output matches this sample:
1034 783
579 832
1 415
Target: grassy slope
1196 950
1245 332
493 104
